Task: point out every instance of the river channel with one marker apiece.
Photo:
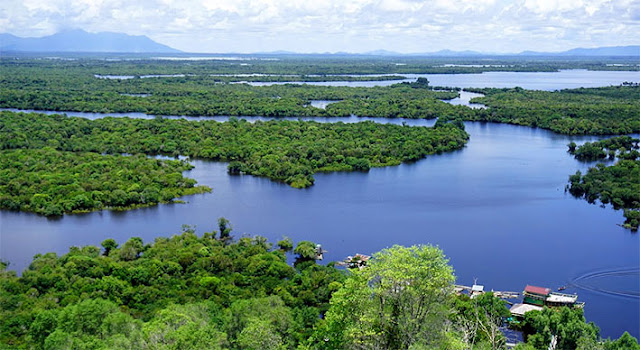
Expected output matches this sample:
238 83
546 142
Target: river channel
497 208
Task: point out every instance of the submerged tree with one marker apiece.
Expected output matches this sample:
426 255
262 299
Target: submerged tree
225 229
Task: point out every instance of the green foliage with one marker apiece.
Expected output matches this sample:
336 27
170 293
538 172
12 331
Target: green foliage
52 182
183 292
478 320
306 251
596 150
225 229
268 317
259 335
566 324
632 219
401 299
289 151
199 89
109 244
594 111
285 244
618 184
625 342
45 86
190 292
184 327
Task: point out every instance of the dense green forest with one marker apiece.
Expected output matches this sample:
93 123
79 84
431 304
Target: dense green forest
73 86
216 292
623 146
288 151
51 182
47 87
618 184
594 111
315 64
571 331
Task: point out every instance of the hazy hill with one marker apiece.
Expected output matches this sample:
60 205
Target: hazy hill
81 41
596 51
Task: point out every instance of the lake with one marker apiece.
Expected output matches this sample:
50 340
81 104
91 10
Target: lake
565 79
497 208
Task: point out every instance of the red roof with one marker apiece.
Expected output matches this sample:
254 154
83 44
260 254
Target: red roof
537 290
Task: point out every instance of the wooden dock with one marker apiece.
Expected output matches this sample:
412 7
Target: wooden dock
476 290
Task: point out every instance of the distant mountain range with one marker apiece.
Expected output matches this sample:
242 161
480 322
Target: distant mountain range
627 51
633 50
598 51
81 41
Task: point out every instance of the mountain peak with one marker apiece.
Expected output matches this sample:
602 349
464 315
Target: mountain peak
78 40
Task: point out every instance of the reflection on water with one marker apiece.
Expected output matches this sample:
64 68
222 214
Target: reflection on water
566 79
497 208
465 100
322 104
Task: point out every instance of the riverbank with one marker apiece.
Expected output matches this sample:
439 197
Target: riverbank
505 189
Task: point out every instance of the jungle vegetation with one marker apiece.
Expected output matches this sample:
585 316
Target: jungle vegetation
73 86
288 151
51 182
618 184
624 146
141 64
570 330
593 111
44 87
218 292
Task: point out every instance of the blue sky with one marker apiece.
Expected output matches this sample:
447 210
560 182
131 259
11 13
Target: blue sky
339 25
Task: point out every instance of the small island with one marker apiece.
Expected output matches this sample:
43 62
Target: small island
617 184
51 182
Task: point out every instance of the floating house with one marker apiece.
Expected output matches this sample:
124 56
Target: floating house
535 295
540 296
535 298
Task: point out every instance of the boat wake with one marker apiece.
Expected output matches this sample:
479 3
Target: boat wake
586 280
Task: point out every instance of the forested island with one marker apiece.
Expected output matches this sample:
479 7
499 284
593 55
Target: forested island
48 87
217 292
618 184
73 86
592 111
45 166
51 182
311 65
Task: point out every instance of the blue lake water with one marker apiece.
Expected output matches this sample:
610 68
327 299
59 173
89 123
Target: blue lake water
565 79
497 208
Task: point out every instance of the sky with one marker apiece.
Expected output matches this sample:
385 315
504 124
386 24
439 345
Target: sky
406 26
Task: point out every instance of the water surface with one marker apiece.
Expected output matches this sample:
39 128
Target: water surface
497 208
565 79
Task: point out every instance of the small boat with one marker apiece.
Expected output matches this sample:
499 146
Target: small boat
562 288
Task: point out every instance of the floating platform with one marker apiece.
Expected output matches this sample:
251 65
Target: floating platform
477 289
358 261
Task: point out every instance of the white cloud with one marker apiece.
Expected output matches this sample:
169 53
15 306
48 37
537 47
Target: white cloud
339 25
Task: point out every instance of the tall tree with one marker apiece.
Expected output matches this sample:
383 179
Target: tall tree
400 300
